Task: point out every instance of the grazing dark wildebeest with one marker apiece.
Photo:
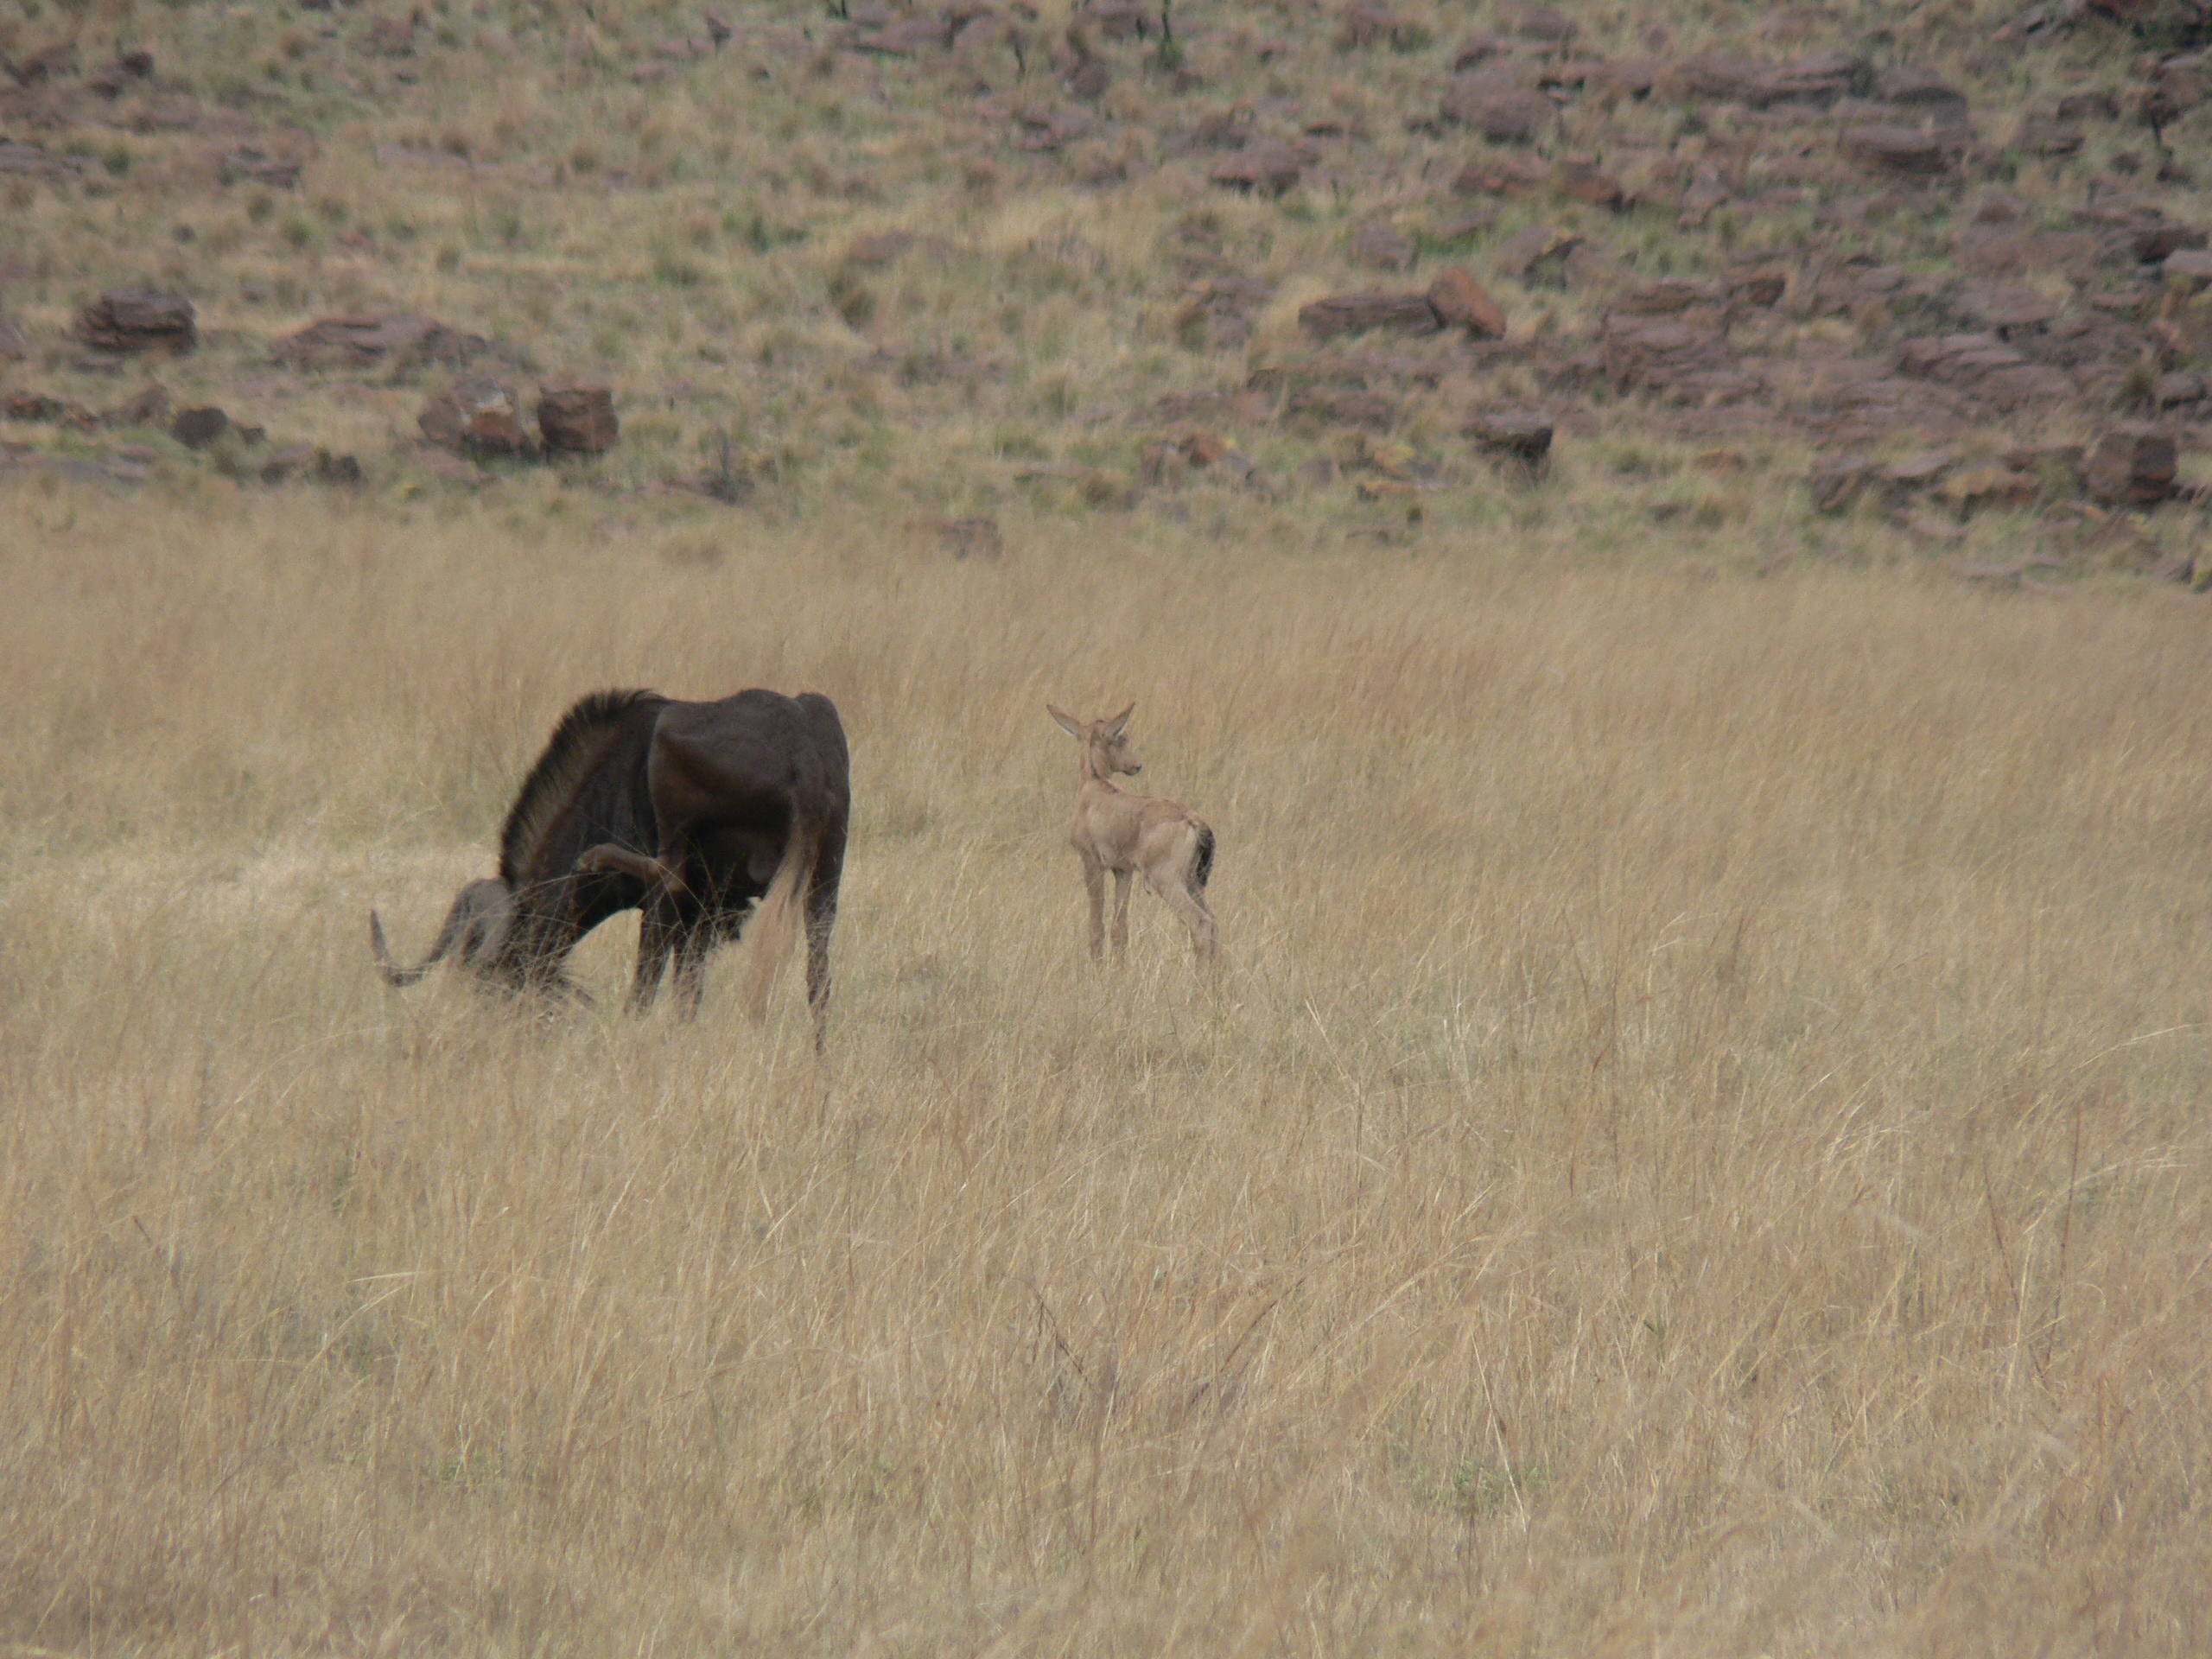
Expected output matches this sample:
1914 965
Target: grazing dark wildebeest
688 811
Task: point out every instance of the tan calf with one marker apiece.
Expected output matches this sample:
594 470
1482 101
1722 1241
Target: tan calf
1130 834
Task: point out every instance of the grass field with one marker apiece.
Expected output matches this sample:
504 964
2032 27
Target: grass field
1699 1147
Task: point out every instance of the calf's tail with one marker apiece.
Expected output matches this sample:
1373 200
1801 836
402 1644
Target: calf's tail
1201 862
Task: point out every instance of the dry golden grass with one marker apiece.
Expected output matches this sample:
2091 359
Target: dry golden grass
1700 1150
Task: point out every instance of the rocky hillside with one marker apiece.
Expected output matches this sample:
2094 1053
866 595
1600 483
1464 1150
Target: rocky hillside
1807 276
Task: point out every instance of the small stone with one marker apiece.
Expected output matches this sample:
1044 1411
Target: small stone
2191 268
149 407
1991 486
196 428
2132 466
138 319
1523 434
1502 113
1382 246
1584 181
478 417
1836 481
1261 170
1458 302
577 419
1898 150
1365 311
1498 176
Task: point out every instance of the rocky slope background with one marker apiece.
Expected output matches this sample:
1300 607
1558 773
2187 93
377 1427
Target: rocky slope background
1843 281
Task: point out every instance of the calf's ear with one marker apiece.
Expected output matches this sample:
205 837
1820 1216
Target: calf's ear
1121 721
1068 722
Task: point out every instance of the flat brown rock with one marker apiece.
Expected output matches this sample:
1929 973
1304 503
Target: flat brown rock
1498 176
1367 310
139 319
2132 466
476 416
1523 434
357 342
1383 246
1460 301
1345 406
577 419
1898 150
1261 169
1500 111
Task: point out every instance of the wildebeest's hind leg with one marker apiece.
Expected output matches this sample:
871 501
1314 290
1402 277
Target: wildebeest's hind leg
821 917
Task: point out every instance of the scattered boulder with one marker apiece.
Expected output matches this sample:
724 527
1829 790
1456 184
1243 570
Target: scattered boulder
201 427
1922 93
1759 285
1537 253
1218 313
1370 23
1533 21
1345 406
1685 354
1367 310
1500 112
31 161
2191 269
1986 367
1836 481
309 461
1583 179
148 407
110 78
1382 246
1905 151
1499 176
575 418
878 248
1669 296
1993 485
2132 466
1261 169
38 408
1720 77
476 416
359 341
1523 435
1460 301
48 64
138 319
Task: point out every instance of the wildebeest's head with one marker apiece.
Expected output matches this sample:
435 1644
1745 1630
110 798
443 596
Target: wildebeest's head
473 933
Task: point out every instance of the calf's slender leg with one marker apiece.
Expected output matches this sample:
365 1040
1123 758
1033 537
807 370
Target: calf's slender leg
1123 881
1094 882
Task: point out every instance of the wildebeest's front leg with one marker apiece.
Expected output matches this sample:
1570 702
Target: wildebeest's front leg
658 931
691 947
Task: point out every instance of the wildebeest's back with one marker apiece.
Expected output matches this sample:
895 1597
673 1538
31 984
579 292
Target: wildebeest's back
749 761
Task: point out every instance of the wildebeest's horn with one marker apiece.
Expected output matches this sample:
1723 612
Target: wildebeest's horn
449 932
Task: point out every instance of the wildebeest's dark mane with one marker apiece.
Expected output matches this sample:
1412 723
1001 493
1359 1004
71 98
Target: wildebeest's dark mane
568 757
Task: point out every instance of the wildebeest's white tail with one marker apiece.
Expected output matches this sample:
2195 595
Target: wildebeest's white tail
776 920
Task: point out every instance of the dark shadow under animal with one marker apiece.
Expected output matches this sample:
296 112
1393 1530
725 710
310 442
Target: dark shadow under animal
696 814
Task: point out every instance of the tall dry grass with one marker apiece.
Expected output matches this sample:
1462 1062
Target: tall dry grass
1701 1150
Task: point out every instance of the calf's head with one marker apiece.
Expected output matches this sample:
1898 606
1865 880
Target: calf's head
1105 742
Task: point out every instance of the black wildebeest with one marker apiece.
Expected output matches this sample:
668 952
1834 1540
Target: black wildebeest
688 811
